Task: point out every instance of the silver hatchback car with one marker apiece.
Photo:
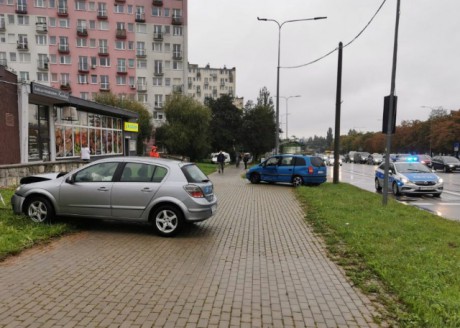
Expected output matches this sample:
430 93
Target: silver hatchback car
165 192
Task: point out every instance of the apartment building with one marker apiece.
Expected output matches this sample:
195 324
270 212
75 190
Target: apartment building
132 48
207 82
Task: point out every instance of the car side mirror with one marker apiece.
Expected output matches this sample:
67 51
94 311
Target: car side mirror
70 179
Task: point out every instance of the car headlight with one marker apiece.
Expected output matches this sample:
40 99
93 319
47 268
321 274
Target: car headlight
440 180
405 180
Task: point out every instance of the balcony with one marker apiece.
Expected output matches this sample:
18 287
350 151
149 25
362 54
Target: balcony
140 17
3 62
120 1
141 53
158 36
141 87
63 11
65 86
2 25
105 86
158 72
42 64
23 46
21 9
83 67
82 31
158 105
121 33
157 3
122 70
63 48
177 55
176 20
102 14
103 51
41 27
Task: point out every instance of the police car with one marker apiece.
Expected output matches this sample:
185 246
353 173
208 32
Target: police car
409 177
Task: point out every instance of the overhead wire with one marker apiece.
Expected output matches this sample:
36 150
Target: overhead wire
346 45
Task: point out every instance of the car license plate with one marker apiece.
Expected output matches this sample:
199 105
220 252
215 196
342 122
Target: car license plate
426 188
320 172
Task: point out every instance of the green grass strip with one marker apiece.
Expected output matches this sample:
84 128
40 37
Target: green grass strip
396 250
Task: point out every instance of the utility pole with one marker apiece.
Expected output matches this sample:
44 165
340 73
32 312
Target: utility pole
391 107
338 102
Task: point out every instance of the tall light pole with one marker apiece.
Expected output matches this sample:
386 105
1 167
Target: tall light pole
277 113
287 111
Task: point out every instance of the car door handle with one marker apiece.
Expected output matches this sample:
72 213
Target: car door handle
146 189
102 189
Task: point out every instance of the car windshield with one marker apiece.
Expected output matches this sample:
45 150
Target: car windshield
194 174
451 159
411 168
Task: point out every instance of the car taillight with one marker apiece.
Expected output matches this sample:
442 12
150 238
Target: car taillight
310 170
194 191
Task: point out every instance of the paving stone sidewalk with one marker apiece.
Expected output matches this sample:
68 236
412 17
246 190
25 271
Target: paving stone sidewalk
255 264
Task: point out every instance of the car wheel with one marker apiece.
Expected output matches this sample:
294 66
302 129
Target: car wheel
39 209
378 187
297 181
395 189
437 195
445 169
167 220
255 178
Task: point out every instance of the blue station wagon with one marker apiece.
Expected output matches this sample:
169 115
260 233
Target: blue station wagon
295 169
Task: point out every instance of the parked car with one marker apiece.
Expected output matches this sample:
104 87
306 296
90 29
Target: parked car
375 159
409 178
166 193
360 157
350 157
445 163
214 157
295 169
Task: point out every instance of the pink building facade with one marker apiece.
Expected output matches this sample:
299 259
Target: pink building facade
135 49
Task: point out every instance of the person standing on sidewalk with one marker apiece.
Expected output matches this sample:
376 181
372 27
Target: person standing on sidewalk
221 162
245 160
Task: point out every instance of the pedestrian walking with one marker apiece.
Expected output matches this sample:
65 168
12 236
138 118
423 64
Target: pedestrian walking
245 160
238 159
221 162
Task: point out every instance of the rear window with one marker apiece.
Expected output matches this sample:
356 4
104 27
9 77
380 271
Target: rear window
317 161
194 174
299 161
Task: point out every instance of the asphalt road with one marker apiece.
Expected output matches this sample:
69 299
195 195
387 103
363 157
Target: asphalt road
447 206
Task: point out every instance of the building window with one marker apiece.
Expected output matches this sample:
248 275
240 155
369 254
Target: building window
64 23
120 45
156 11
80 5
81 42
177 30
23 20
40 40
40 3
42 77
38 142
119 9
82 79
104 61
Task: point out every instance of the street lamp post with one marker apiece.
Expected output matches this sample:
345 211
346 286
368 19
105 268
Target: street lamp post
277 113
287 112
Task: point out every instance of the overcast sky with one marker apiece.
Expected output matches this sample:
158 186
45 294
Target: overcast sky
223 32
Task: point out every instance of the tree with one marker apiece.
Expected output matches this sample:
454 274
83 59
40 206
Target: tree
186 131
145 124
259 126
226 124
